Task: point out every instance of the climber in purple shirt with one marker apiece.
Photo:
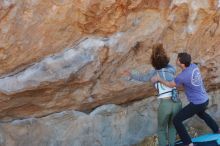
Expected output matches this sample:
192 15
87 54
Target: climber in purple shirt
191 80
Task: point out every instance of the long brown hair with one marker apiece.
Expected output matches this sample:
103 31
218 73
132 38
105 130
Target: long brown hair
159 58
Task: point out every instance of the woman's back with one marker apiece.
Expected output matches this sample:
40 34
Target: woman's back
166 73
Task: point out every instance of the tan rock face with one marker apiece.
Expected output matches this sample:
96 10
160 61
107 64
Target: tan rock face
31 30
57 55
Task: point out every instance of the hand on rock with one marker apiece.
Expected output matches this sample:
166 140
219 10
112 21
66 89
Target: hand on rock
126 73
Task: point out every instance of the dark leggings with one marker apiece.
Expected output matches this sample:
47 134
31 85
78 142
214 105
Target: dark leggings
189 111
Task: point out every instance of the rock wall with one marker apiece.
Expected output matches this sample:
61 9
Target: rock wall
65 55
107 125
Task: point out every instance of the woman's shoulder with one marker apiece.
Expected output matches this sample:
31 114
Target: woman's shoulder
171 68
